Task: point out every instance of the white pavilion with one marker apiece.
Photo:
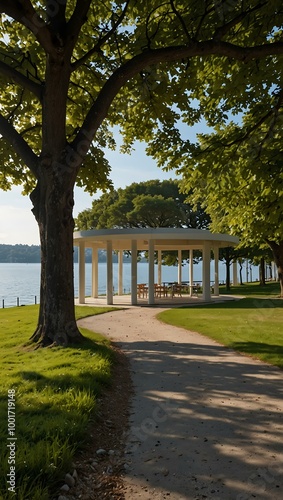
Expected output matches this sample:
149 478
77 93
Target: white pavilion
151 240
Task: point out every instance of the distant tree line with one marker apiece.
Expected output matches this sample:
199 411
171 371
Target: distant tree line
19 253
31 254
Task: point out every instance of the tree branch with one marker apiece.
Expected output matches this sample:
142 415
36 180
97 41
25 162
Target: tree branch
32 127
273 112
24 12
206 13
77 20
119 78
223 30
147 24
97 47
19 145
86 91
57 21
178 15
20 79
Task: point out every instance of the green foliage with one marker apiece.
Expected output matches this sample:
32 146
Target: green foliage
235 173
71 71
55 399
146 204
240 183
206 71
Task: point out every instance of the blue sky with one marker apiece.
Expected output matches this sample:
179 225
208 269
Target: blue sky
17 223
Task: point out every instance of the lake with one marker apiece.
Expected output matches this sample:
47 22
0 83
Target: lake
23 280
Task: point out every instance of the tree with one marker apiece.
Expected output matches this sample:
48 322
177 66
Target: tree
255 255
145 204
247 198
229 255
70 70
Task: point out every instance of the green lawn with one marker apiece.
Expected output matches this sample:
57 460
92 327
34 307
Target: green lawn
55 398
253 325
271 289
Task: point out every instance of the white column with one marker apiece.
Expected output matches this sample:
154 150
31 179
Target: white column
247 270
179 267
191 275
109 274
206 295
134 273
81 272
275 272
216 270
235 273
120 272
94 270
151 272
159 267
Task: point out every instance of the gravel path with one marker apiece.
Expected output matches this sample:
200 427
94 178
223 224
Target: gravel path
206 422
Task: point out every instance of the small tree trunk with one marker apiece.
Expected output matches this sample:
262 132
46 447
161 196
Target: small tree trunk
241 272
53 205
227 257
269 277
262 272
277 250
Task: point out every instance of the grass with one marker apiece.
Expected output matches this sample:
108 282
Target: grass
55 398
252 325
271 289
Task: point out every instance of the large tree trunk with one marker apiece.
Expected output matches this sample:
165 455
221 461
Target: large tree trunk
53 201
277 250
53 205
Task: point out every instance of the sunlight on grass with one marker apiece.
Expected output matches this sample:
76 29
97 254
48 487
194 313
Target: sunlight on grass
252 326
56 394
270 289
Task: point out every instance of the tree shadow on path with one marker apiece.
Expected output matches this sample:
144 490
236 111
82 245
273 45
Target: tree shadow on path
206 422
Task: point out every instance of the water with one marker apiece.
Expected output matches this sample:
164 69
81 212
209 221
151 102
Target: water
22 281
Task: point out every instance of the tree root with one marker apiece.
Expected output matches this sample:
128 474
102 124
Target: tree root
50 337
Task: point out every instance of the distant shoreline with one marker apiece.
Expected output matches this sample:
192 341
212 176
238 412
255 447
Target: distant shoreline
30 254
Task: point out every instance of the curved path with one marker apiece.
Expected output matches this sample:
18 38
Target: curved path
206 422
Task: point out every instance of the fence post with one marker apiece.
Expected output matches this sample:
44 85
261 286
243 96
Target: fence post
18 301
3 303
35 299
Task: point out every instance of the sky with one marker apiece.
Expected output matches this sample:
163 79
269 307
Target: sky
17 223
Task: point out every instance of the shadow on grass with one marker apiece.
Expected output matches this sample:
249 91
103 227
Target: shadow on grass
52 419
99 351
271 288
86 380
246 303
261 348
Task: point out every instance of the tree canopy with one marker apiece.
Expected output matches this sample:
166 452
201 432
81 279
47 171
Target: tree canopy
146 204
70 70
119 71
239 183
